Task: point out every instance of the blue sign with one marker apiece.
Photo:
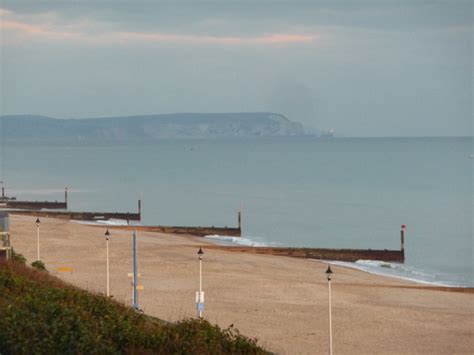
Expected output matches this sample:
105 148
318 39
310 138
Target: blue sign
200 306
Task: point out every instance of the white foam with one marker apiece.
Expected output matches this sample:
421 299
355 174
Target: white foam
398 271
108 222
236 240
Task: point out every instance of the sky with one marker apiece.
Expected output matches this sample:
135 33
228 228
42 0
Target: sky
362 68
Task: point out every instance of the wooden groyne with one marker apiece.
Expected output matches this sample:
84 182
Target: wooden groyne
36 205
352 255
81 216
12 202
5 198
196 231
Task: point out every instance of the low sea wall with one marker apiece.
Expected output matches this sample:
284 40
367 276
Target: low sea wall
196 231
36 205
82 216
321 254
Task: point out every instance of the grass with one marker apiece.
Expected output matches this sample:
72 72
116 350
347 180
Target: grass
41 314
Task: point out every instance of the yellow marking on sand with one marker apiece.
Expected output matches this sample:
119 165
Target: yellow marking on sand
65 269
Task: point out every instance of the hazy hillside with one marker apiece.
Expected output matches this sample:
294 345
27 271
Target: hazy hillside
148 128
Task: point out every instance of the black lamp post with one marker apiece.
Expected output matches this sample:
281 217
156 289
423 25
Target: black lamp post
329 272
107 237
38 238
200 293
329 276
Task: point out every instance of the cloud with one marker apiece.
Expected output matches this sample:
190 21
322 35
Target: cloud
50 28
36 31
4 12
206 39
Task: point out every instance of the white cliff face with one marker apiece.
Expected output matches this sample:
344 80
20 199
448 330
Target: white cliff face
238 126
188 125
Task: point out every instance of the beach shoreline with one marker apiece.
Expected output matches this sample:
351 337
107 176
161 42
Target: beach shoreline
244 244
282 301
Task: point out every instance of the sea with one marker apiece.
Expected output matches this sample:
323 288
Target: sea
302 192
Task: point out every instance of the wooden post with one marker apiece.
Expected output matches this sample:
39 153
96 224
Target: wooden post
240 219
402 237
140 208
65 195
402 241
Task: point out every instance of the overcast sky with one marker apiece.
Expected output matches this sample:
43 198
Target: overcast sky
363 68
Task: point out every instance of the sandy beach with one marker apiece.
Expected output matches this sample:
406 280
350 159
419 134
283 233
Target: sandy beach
281 301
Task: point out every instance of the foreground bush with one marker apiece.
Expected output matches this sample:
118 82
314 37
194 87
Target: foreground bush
38 265
19 258
40 314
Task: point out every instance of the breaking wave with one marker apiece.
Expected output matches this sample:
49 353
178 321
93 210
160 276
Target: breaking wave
399 271
221 239
109 222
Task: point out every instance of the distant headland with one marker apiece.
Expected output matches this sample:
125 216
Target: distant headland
149 127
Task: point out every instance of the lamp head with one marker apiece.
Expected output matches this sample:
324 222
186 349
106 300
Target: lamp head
200 253
329 272
107 234
37 222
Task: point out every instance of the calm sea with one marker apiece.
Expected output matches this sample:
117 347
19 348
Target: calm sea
352 193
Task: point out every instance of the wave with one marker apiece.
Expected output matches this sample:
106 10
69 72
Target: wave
399 271
377 267
108 222
236 240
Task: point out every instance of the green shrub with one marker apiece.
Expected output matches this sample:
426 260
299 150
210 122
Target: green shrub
38 265
17 257
41 314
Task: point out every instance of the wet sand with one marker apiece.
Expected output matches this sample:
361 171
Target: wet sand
281 301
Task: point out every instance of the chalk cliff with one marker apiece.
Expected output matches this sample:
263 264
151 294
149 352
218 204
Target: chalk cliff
148 128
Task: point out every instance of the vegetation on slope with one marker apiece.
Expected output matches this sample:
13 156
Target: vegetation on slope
41 314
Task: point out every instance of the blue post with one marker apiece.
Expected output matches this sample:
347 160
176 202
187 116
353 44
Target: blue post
135 274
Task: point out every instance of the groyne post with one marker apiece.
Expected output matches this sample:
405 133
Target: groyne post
402 237
239 218
402 242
